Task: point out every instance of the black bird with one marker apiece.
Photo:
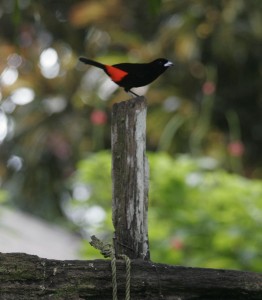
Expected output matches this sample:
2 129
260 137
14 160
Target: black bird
128 75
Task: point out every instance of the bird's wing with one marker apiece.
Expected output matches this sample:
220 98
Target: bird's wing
138 71
115 73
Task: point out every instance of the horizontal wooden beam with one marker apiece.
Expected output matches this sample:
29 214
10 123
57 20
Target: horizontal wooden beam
26 277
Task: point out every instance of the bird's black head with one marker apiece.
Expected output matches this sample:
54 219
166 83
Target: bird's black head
163 63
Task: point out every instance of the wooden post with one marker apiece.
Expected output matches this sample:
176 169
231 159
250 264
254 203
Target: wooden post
130 178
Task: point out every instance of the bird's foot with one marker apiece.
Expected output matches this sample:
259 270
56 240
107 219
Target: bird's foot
133 94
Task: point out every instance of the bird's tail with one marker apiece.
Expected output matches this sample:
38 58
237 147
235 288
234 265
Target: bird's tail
92 62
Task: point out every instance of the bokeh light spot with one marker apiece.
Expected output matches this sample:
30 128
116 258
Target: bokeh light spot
15 162
48 58
3 126
22 96
49 63
9 76
14 60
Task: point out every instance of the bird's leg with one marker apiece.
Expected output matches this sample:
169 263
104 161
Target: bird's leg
129 91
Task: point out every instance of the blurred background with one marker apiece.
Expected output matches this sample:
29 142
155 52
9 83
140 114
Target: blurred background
204 126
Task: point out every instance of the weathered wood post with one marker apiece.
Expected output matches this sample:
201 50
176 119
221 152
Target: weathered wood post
130 178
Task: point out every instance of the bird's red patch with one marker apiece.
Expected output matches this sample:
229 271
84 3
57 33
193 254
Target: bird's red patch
115 74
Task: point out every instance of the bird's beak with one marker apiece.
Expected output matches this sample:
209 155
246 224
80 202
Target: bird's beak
168 64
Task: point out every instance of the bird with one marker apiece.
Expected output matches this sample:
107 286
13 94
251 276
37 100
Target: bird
130 75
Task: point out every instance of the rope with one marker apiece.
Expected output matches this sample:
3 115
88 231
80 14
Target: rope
107 250
128 275
114 282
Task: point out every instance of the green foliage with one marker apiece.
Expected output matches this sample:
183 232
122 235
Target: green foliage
197 216
155 5
3 196
96 172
